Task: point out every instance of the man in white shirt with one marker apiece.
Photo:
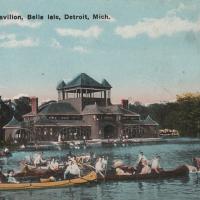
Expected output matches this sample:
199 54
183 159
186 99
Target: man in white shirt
155 164
104 163
54 165
38 159
72 170
99 167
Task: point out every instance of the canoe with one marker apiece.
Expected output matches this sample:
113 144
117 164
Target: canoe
178 172
31 171
46 185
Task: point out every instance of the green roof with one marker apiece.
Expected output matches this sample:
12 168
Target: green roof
13 123
106 84
83 80
150 121
58 108
111 109
60 85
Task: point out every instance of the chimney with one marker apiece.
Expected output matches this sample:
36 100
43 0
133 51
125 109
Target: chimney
124 103
34 104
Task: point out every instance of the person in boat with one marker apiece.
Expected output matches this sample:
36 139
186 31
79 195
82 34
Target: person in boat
11 178
3 178
53 165
39 160
72 171
104 162
145 169
92 158
141 156
99 167
155 165
196 163
120 171
141 162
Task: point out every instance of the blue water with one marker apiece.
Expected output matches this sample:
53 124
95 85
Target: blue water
173 153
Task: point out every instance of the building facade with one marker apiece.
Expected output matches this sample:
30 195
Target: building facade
83 111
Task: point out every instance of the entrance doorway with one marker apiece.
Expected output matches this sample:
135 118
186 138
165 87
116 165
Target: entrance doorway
109 132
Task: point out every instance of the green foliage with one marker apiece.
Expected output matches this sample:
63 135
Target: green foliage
22 106
5 116
182 115
17 108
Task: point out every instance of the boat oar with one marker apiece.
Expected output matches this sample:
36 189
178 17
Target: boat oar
89 180
106 168
88 165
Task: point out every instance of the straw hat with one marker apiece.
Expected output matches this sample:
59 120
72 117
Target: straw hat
117 163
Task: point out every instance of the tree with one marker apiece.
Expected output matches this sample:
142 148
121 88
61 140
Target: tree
6 114
22 106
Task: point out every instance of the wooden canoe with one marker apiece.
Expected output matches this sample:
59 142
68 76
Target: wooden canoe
31 171
178 172
46 185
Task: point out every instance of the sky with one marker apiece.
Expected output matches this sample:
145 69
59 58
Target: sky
149 51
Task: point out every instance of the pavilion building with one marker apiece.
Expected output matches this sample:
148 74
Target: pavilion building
83 110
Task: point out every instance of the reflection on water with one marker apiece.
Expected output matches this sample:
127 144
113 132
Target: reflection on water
172 154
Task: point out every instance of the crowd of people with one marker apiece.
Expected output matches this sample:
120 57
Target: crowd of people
143 166
72 166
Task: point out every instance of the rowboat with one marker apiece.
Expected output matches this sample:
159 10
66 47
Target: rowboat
46 185
178 172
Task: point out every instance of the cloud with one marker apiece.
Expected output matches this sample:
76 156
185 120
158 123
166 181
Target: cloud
80 49
10 41
180 8
55 44
156 27
92 32
20 95
23 22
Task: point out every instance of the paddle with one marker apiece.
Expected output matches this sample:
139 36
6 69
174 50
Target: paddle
106 168
88 180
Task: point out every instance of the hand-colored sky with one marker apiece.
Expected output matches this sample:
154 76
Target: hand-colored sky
149 51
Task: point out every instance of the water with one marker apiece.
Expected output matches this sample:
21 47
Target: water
173 153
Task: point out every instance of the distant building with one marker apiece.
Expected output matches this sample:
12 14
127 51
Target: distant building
83 110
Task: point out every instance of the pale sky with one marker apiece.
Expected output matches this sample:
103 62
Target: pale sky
149 51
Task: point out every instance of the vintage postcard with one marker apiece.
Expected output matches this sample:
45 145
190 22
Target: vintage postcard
99 99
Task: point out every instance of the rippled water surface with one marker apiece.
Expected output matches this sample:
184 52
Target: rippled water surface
173 153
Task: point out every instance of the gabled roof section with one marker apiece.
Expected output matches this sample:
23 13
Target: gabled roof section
92 109
43 121
58 108
30 114
61 85
83 80
127 112
112 109
106 84
150 121
13 123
